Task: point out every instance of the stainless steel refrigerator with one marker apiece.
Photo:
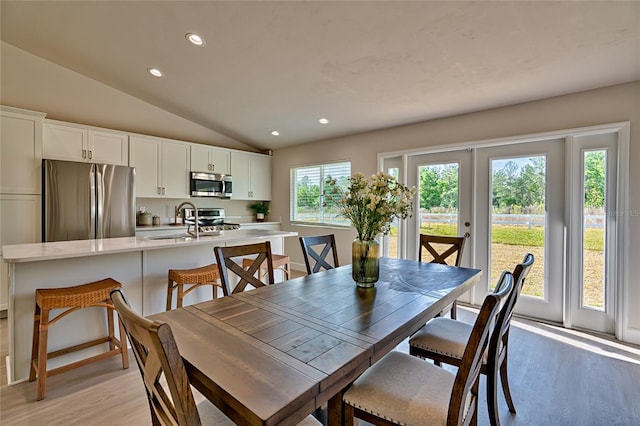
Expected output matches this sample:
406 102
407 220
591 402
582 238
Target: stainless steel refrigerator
86 201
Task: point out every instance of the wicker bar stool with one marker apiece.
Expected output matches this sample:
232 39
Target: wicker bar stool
193 278
72 299
279 262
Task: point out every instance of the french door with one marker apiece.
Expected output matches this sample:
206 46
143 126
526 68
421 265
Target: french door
520 209
559 196
444 201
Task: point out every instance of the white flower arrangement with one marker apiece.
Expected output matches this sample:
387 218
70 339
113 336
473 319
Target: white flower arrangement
371 205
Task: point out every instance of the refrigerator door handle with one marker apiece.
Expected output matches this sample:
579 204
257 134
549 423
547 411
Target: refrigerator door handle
95 196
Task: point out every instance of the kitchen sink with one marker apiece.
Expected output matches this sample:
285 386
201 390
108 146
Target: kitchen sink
170 237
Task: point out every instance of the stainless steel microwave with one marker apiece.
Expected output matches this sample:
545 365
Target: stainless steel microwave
210 185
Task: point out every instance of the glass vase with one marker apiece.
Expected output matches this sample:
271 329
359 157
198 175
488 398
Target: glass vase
365 266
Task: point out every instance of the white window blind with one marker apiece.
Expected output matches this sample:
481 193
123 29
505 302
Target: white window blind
307 187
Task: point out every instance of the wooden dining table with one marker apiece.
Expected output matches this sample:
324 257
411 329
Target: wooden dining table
273 355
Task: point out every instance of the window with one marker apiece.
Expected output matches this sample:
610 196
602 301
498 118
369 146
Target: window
307 187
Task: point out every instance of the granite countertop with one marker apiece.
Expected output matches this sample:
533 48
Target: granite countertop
19 253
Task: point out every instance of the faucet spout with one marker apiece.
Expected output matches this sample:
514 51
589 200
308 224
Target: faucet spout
195 213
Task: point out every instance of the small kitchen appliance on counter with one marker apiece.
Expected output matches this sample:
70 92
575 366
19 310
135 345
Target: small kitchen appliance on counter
210 220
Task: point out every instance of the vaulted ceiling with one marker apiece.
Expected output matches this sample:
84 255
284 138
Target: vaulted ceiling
362 65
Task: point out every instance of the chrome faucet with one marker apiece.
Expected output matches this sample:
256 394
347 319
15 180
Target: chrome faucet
195 213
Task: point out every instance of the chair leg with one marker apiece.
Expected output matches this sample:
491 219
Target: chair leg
505 385
111 328
454 310
348 415
180 295
43 333
492 396
35 344
122 340
169 294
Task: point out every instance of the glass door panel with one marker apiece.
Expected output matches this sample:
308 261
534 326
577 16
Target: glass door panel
519 210
518 220
593 229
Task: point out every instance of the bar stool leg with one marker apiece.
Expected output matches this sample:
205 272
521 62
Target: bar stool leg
169 294
180 295
35 344
43 334
122 340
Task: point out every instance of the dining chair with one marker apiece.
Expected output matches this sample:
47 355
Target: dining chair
402 389
231 258
443 340
171 400
317 249
170 397
441 248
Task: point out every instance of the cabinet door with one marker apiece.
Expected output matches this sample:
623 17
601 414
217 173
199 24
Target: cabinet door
260 177
64 143
175 170
240 174
24 231
108 148
145 157
20 154
219 159
200 159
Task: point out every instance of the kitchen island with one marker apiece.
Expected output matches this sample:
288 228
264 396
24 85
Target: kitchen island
139 263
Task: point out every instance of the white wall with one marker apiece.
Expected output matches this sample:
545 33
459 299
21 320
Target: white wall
608 105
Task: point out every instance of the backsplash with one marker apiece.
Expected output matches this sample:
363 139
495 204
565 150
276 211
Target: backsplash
235 211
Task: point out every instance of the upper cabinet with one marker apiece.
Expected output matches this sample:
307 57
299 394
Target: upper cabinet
20 151
76 143
251 175
210 160
162 167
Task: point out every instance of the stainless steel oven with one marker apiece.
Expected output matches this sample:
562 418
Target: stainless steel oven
210 185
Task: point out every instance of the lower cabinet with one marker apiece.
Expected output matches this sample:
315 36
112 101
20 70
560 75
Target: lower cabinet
20 223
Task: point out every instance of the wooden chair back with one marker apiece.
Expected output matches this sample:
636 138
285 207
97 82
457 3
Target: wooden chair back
230 258
500 336
453 246
319 255
466 383
157 355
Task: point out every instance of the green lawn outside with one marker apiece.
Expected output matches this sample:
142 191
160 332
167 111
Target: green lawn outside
504 256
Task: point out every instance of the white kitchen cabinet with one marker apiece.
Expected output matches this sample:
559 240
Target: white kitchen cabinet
20 223
210 160
251 175
20 151
162 167
68 142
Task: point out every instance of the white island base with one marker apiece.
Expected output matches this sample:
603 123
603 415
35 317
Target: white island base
138 263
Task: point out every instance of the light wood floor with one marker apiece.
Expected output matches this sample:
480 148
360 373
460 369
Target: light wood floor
557 376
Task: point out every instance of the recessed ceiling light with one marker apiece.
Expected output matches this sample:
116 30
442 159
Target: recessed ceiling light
195 39
323 120
155 72
275 133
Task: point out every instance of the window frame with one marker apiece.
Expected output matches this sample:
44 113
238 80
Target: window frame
322 215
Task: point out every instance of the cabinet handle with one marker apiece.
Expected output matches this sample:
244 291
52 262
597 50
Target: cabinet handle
90 154
209 167
213 167
163 188
84 153
159 191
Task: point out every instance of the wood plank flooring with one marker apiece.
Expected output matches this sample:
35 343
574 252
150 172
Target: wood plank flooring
557 376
